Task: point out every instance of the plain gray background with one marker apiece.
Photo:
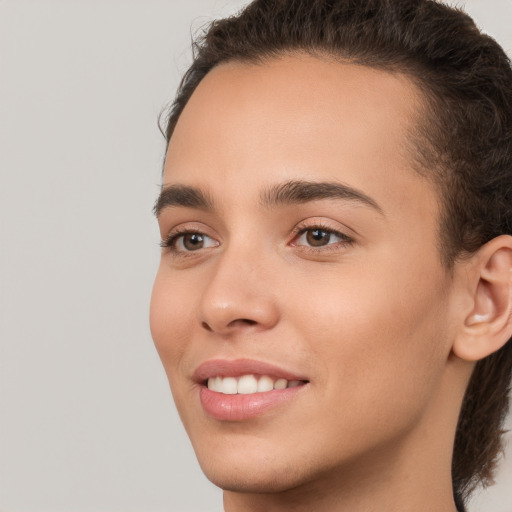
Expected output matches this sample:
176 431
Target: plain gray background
86 419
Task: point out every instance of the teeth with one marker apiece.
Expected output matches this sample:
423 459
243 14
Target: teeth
229 386
265 384
280 384
248 384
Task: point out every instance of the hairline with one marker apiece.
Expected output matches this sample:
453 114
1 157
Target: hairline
418 145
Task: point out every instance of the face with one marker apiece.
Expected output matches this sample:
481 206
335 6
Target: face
300 278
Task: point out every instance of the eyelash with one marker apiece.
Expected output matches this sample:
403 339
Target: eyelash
345 240
170 241
300 230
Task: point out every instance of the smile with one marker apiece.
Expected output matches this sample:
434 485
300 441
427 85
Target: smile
243 389
249 384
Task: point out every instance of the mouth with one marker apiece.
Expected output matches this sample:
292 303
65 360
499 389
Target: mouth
242 389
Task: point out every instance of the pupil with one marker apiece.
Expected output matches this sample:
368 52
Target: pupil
193 241
318 237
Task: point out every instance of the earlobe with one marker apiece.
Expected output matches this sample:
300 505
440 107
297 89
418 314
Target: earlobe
488 325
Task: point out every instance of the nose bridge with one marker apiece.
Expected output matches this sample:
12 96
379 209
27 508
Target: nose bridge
239 292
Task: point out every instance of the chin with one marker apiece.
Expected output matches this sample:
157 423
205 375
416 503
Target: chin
251 460
253 479
260 468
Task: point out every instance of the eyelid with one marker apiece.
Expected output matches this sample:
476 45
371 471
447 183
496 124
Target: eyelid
169 241
312 224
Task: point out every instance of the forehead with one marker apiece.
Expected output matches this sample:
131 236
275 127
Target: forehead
299 117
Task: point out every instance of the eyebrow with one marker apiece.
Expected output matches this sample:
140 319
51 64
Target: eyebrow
298 192
173 196
290 192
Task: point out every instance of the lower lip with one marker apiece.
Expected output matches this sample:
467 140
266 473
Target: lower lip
242 407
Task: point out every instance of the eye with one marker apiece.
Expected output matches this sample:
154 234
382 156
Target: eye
317 237
189 241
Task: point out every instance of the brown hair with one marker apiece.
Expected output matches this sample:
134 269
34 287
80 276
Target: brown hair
464 144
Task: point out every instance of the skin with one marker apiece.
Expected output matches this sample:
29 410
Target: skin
371 322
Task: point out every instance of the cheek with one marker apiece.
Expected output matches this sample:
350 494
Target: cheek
171 317
378 335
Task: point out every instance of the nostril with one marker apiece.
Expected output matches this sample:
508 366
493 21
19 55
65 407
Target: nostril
206 326
243 321
225 328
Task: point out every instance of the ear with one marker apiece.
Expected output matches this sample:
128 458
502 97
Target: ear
487 323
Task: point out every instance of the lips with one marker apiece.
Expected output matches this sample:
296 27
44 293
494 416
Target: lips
242 389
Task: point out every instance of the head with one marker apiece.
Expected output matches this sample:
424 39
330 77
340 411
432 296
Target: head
448 89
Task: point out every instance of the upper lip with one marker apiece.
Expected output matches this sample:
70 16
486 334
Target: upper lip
239 367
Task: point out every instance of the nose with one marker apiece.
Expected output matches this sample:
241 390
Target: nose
239 296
